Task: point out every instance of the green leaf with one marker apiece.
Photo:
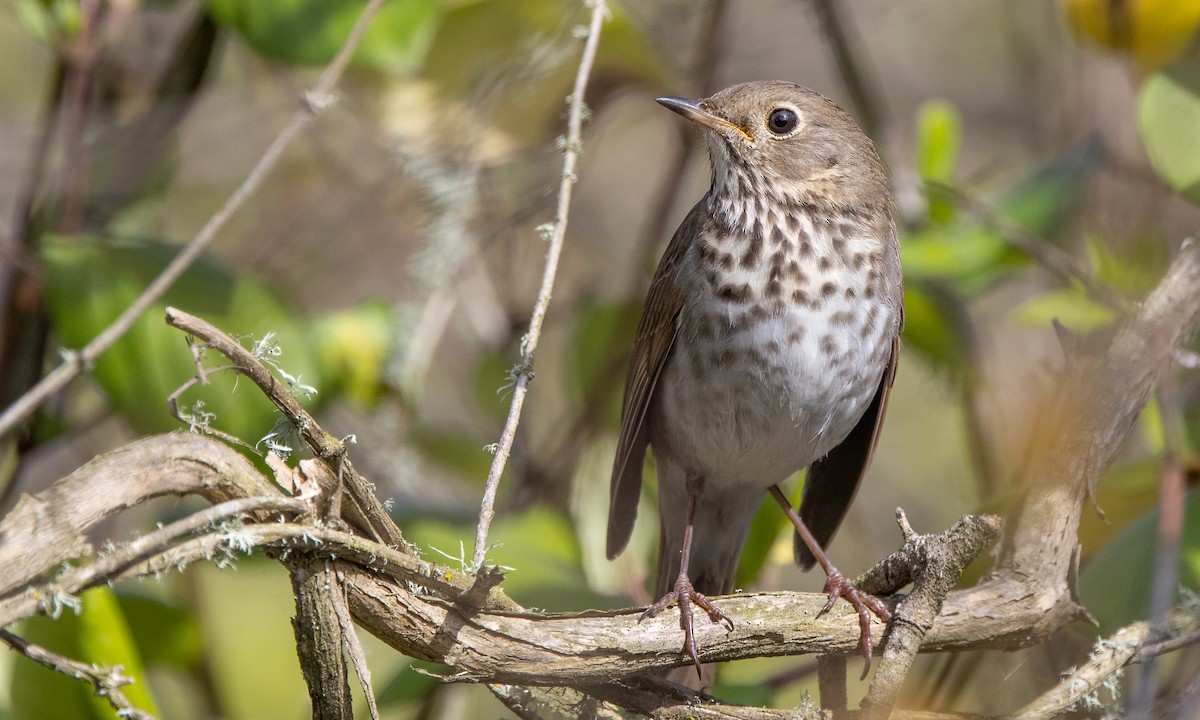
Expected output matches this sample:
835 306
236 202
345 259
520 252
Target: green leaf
352 347
1069 306
165 634
310 32
248 640
1169 122
90 281
35 15
97 634
1132 272
965 253
38 692
105 639
939 136
1047 200
931 328
1115 586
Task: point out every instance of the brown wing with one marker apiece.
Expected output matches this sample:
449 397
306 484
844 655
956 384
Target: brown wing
651 346
834 479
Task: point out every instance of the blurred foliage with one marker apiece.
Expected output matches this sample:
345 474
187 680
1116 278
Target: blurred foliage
1130 556
90 281
309 32
449 76
1169 120
50 20
1151 32
951 256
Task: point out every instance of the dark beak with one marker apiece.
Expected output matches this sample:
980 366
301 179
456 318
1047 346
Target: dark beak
693 110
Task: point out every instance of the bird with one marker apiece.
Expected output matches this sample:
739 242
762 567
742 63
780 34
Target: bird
768 343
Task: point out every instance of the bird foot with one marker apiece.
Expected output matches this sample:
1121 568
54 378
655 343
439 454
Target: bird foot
865 604
685 595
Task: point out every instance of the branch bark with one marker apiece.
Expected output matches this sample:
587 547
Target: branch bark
319 637
434 613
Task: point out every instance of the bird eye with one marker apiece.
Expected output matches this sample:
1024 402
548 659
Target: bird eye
782 121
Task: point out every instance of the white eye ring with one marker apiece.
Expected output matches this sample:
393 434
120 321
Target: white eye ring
783 121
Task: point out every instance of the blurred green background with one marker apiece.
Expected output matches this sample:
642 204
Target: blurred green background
393 258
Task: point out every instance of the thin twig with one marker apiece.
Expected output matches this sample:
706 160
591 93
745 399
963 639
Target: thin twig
107 681
314 102
113 565
83 53
180 544
1131 644
354 648
524 371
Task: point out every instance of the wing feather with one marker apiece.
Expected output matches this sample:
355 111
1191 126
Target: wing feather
651 347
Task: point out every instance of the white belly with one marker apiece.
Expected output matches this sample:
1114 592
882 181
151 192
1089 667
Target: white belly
750 403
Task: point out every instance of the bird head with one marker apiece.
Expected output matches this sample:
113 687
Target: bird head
785 137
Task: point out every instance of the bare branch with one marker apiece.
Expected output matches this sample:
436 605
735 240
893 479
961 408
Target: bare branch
107 681
1081 688
46 529
933 564
354 648
1095 412
438 614
524 371
319 637
49 598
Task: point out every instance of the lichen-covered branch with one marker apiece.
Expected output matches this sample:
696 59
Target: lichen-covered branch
366 511
465 622
105 681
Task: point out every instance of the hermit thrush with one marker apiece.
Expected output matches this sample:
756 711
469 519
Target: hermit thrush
768 343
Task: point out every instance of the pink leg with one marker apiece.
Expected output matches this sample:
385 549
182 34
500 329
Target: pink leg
836 584
684 593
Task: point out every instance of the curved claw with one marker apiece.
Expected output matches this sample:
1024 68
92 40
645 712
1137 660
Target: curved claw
685 596
837 586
